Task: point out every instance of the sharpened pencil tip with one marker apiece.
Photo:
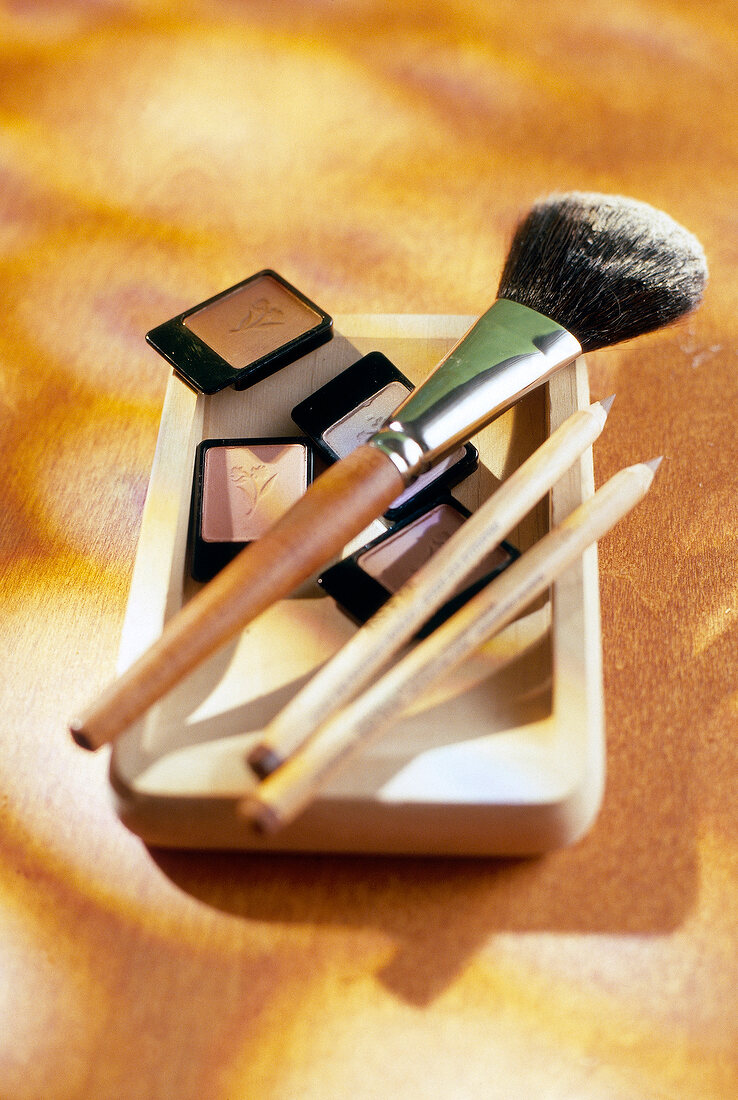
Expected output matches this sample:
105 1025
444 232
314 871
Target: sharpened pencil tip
654 463
607 402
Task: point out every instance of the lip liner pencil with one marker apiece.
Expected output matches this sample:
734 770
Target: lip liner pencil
366 653
284 794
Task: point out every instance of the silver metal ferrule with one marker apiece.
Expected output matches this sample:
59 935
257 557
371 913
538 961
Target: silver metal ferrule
509 351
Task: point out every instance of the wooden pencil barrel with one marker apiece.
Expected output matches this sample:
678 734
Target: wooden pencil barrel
289 789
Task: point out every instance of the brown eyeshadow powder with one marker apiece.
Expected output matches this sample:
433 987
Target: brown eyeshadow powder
393 561
396 559
252 321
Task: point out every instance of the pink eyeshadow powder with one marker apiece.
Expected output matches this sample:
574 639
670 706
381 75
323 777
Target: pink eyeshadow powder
252 321
247 488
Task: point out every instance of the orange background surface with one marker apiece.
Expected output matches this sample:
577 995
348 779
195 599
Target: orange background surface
377 155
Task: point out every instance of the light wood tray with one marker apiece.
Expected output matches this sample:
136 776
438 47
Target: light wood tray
506 758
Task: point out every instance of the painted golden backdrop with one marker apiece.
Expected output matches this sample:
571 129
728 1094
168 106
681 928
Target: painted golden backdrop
377 155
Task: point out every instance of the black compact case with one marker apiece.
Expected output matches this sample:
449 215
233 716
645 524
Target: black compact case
360 590
351 407
243 334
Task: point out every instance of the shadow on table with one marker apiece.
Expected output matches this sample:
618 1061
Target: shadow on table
634 874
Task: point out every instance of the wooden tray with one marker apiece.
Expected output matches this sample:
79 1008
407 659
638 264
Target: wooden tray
507 758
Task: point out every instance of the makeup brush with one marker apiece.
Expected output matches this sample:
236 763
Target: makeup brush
584 271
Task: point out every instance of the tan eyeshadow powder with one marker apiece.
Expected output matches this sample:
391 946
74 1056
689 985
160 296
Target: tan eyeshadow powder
247 488
252 321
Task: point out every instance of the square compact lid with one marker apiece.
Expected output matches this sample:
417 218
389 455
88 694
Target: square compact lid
243 334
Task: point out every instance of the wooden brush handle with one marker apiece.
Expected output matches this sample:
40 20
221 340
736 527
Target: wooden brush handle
336 507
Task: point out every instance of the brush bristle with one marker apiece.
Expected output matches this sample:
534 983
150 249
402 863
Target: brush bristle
606 268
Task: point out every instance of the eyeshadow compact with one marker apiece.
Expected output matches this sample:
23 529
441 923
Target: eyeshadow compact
240 488
243 334
364 581
351 407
